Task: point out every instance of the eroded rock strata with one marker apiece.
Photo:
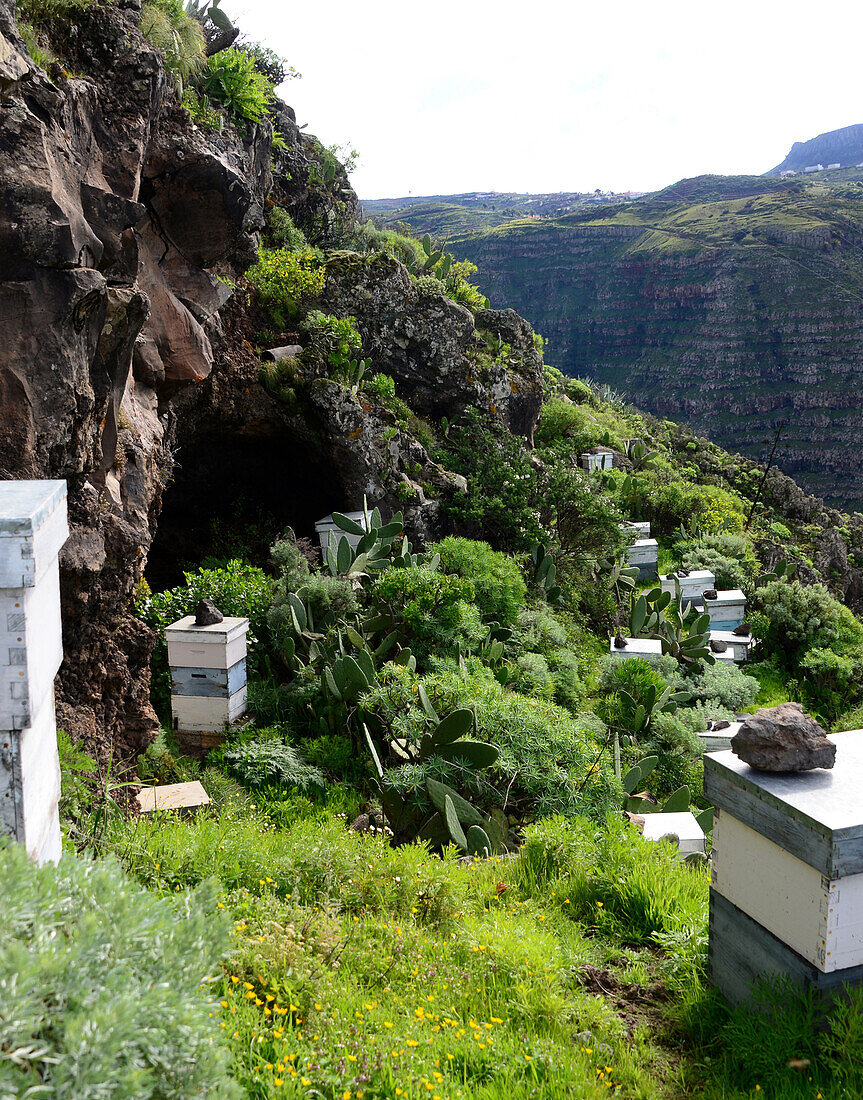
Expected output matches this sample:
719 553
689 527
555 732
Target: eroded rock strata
124 358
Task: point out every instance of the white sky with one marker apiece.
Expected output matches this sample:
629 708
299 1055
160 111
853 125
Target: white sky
465 95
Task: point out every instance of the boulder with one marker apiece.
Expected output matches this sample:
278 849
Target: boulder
783 739
207 614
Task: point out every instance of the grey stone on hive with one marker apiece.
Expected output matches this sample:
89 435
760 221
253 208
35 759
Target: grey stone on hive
718 646
783 739
742 631
620 642
710 594
207 614
719 725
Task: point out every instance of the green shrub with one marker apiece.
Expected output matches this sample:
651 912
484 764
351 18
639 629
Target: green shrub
504 503
286 281
550 762
499 587
729 572
170 28
232 78
104 985
336 337
268 758
533 676
382 386
561 419
831 681
541 631
42 12
568 685
290 562
680 756
283 233
432 612
723 684
791 618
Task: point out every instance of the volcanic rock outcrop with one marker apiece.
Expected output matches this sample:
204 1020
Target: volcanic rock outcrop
125 362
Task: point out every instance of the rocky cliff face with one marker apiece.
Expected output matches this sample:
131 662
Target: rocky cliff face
730 310
843 146
126 367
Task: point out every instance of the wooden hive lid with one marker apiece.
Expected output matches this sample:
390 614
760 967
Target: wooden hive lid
815 815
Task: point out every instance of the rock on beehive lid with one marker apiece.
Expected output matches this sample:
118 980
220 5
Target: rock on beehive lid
783 739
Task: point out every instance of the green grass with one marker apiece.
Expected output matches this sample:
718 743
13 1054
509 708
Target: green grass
576 969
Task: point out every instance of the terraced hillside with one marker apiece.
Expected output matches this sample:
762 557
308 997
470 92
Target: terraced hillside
732 302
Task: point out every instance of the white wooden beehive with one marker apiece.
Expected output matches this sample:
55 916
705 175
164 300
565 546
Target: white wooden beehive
638 647
601 460
692 586
728 610
327 526
208 677
740 644
221 645
638 529
644 553
690 835
33 528
718 740
788 852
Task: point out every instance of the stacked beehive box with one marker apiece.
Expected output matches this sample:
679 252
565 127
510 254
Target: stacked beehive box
739 644
33 528
787 872
691 586
597 459
640 529
727 610
208 679
637 647
327 526
644 554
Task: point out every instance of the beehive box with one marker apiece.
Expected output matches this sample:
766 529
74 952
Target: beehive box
718 740
727 611
644 553
690 835
33 528
599 460
206 714
788 855
638 647
326 526
639 529
692 586
221 645
740 644
30 785
216 683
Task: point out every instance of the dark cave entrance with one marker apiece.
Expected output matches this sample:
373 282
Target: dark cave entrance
232 496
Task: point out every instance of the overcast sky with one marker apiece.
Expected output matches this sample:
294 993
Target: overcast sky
472 96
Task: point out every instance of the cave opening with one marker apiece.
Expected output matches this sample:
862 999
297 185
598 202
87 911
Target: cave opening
232 496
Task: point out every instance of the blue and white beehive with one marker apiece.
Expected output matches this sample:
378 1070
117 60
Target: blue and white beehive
646 648
643 554
787 872
739 644
727 610
33 528
208 679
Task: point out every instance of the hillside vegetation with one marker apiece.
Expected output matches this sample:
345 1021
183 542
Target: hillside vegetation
728 302
418 873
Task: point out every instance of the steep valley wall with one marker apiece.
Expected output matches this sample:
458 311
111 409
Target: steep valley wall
730 336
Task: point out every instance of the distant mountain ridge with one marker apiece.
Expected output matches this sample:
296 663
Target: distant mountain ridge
843 146
730 301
